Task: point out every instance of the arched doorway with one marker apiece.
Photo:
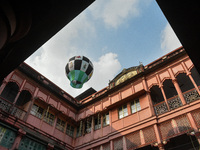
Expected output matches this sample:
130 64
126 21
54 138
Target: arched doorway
10 91
24 98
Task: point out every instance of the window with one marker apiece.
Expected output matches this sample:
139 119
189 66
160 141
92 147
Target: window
97 122
79 129
37 111
106 119
88 125
60 125
49 118
135 106
70 130
123 112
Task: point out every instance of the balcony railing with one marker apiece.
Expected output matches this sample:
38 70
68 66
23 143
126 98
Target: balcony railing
191 96
11 109
175 102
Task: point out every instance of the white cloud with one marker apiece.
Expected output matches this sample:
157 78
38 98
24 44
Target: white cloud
51 58
169 40
114 12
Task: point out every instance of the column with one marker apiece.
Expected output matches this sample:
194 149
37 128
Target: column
179 91
152 111
188 73
92 128
31 104
163 93
16 143
111 145
4 83
124 143
157 132
174 81
21 88
194 126
110 120
54 125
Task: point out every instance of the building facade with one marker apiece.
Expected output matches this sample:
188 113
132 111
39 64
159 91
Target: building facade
144 107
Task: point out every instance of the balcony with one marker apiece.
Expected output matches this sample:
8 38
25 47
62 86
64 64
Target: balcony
11 109
175 102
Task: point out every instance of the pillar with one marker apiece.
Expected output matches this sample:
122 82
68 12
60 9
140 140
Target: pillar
152 111
124 143
174 81
188 73
179 91
111 145
16 143
31 104
21 88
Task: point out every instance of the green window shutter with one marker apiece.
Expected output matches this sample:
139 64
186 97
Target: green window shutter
28 144
7 137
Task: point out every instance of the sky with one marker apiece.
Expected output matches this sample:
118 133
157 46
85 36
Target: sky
114 35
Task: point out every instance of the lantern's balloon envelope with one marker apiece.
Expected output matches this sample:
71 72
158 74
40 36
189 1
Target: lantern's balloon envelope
79 70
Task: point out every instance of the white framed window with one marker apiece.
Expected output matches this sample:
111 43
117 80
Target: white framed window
97 122
37 111
135 106
106 120
123 111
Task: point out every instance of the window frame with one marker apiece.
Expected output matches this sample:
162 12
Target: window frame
37 111
122 111
60 124
70 130
134 104
97 122
106 119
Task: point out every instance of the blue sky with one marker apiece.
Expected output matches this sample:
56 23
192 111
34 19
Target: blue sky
113 34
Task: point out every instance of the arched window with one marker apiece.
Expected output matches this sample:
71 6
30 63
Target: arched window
169 89
195 76
184 82
156 94
10 91
24 97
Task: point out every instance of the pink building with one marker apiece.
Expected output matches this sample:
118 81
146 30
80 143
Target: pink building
144 107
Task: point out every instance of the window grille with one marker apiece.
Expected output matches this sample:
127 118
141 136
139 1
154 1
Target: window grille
88 125
79 129
106 120
133 140
49 117
97 122
37 111
29 144
118 144
123 112
106 146
7 137
135 106
70 130
60 124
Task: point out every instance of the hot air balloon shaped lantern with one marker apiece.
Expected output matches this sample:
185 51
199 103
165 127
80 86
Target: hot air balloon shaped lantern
79 70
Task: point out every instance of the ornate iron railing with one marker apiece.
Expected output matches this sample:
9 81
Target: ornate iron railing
11 109
191 96
160 108
175 102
